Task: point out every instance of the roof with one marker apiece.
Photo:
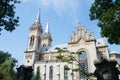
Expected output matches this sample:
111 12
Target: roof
99 43
52 48
114 52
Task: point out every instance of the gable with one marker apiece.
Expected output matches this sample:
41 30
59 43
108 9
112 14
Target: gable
80 33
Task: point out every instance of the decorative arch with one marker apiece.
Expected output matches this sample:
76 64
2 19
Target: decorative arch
32 39
83 59
51 73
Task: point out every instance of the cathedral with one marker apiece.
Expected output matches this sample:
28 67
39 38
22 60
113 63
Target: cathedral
41 53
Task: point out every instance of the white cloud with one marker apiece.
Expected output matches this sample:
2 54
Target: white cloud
63 8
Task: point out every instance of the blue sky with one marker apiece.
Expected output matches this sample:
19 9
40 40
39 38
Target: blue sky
63 16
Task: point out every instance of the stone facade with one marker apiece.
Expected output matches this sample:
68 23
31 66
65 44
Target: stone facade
41 53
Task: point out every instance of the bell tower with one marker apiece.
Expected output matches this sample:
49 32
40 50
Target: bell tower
34 42
46 38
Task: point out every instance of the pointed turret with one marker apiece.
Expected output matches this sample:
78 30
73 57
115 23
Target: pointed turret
38 16
47 28
46 39
37 25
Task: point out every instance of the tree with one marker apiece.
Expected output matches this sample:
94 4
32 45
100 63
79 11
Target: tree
7 64
37 77
71 59
8 21
108 14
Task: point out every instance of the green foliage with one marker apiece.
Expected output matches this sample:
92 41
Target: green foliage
75 70
108 14
37 77
59 57
8 21
83 72
59 50
6 55
7 64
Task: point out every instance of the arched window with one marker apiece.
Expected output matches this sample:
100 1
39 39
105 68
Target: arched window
44 45
66 72
84 64
39 41
32 40
51 73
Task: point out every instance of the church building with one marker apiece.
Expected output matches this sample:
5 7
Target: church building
41 53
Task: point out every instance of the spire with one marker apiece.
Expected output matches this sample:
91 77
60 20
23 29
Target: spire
38 16
79 24
47 28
